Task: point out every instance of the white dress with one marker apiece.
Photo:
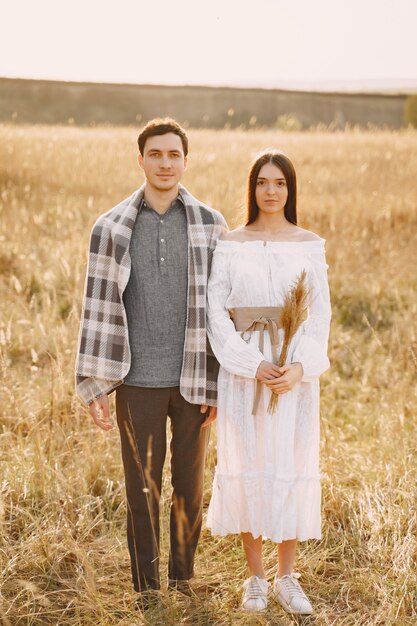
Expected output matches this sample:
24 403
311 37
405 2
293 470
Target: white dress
267 478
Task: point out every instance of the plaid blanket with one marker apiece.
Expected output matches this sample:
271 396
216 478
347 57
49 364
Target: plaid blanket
103 357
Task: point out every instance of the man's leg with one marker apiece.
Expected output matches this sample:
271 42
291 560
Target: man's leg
141 417
188 454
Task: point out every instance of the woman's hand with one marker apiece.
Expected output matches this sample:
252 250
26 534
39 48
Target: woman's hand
289 376
267 371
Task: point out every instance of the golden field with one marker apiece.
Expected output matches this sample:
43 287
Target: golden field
63 554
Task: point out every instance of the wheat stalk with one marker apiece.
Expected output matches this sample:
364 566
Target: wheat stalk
292 315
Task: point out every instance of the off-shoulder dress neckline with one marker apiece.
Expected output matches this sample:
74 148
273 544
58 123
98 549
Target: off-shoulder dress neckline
266 242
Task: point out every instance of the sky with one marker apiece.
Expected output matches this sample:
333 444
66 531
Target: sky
215 42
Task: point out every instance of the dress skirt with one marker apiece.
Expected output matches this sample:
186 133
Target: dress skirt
267 477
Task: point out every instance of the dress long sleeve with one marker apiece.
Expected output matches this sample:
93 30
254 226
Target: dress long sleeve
233 353
311 348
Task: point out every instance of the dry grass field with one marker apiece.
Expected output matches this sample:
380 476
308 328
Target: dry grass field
63 556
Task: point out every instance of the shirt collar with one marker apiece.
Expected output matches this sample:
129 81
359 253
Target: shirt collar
179 198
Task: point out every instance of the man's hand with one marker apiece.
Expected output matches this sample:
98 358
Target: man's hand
100 412
289 376
211 415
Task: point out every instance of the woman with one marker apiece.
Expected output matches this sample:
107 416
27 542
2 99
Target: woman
267 481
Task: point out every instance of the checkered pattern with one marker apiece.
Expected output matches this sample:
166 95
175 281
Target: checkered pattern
103 358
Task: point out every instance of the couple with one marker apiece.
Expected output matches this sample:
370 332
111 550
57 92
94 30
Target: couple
151 302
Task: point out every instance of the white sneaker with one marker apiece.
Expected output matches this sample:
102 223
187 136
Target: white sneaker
255 597
288 592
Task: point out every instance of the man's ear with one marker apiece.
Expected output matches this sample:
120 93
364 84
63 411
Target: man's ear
140 161
185 162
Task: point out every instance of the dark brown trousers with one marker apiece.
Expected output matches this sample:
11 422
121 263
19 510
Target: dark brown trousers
141 416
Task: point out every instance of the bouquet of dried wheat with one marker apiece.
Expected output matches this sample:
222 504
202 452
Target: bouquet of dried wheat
293 313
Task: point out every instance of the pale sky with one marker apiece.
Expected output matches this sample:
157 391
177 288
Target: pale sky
217 42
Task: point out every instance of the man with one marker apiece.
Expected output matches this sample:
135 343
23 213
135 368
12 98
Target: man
143 333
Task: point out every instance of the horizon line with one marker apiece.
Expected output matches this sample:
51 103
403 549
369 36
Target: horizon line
352 86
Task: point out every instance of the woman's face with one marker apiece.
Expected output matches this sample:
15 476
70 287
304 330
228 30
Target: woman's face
271 189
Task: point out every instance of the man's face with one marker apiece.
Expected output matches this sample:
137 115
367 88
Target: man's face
163 161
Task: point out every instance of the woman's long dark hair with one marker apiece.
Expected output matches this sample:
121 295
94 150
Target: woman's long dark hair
280 160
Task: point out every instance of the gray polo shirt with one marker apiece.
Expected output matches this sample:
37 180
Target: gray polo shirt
155 297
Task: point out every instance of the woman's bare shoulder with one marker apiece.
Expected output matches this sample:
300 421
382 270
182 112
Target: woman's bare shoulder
238 234
306 235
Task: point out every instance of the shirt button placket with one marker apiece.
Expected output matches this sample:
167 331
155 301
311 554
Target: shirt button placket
162 247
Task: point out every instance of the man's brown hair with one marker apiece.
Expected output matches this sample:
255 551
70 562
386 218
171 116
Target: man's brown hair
162 126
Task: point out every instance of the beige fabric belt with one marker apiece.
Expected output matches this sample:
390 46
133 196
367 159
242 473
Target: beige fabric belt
250 318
